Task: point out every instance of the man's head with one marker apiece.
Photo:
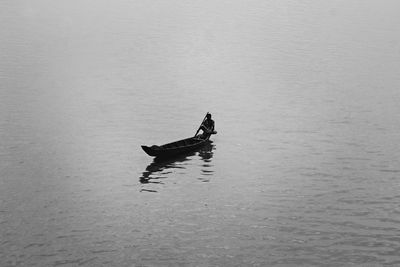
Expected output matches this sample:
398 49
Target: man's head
208 116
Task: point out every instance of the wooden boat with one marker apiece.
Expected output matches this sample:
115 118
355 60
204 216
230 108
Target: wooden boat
178 147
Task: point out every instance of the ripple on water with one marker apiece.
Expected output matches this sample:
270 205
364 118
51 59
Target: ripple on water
76 262
389 170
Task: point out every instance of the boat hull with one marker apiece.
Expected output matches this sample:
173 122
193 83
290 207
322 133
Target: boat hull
175 148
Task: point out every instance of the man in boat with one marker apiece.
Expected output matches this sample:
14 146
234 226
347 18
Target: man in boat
207 126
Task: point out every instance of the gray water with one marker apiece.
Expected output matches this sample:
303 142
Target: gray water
304 170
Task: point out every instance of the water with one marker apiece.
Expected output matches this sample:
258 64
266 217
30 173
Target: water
303 171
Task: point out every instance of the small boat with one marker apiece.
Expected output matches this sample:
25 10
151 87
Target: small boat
181 146
178 147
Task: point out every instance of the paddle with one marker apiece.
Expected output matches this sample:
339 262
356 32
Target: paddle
201 124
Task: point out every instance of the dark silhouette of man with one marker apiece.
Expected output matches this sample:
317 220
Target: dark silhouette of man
207 126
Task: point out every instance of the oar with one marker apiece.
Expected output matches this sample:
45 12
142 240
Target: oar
201 124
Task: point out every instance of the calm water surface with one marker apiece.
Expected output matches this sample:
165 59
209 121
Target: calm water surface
304 170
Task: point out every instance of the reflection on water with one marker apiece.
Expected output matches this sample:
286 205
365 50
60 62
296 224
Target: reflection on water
206 154
161 168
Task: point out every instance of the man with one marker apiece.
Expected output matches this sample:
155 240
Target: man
208 126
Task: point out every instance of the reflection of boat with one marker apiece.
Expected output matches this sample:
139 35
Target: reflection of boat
178 147
206 154
161 167
206 151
